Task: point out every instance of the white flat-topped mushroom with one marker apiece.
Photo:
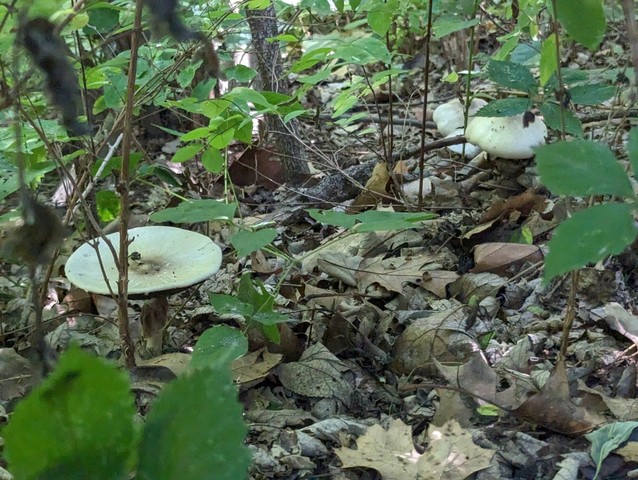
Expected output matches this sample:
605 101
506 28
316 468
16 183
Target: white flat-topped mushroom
449 116
507 137
162 260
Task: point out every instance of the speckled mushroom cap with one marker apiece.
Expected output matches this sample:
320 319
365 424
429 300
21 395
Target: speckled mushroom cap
162 260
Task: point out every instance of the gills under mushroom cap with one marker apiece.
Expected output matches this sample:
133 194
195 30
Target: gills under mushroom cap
162 260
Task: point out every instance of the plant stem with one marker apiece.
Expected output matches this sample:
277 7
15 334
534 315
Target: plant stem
123 190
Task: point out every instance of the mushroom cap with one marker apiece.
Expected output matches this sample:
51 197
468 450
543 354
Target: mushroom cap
449 116
163 260
507 137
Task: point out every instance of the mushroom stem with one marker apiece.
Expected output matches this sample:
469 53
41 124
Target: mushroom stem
153 318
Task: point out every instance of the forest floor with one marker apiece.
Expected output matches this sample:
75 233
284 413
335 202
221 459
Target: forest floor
430 352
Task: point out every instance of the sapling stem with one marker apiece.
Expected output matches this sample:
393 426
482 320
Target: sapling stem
123 189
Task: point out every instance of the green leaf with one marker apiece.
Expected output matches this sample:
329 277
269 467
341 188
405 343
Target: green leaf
583 20
591 94
187 152
196 134
505 107
551 114
549 59
102 19
195 430
607 439
310 59
371 221
108 205
212 160
76 425
581 167
241 73
222 138
363 51
219 346
448 24
589 236
185 77
512 75
196 211
270 318
229 305
632 149
381 16
255 293
247 242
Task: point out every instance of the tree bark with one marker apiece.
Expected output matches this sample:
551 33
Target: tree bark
263 25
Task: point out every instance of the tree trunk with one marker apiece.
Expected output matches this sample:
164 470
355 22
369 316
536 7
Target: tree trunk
263 25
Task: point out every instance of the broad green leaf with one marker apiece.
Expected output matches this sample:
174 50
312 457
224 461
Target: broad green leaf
196 211
448 24
102 19
632 149
592 94
195 430
512 75
77 424
108 205
607 439
371 221
212 160
584 20
589 236
219 346
363 51
381 16
311 58
186 153
185 77
549 59
229 305
270 318
222 138
507 46
526 53
254 292
581 167
247 242
196 134
551 114
241 73
505 107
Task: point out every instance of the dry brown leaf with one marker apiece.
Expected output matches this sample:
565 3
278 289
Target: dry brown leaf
524 203
376 185
553 408
498 257
254 366
624 409
256 167
392 273
389 452
452 454
436 281
618 318
318 374
440 336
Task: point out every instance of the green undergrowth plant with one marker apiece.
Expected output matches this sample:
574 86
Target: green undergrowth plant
584 168
80 422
